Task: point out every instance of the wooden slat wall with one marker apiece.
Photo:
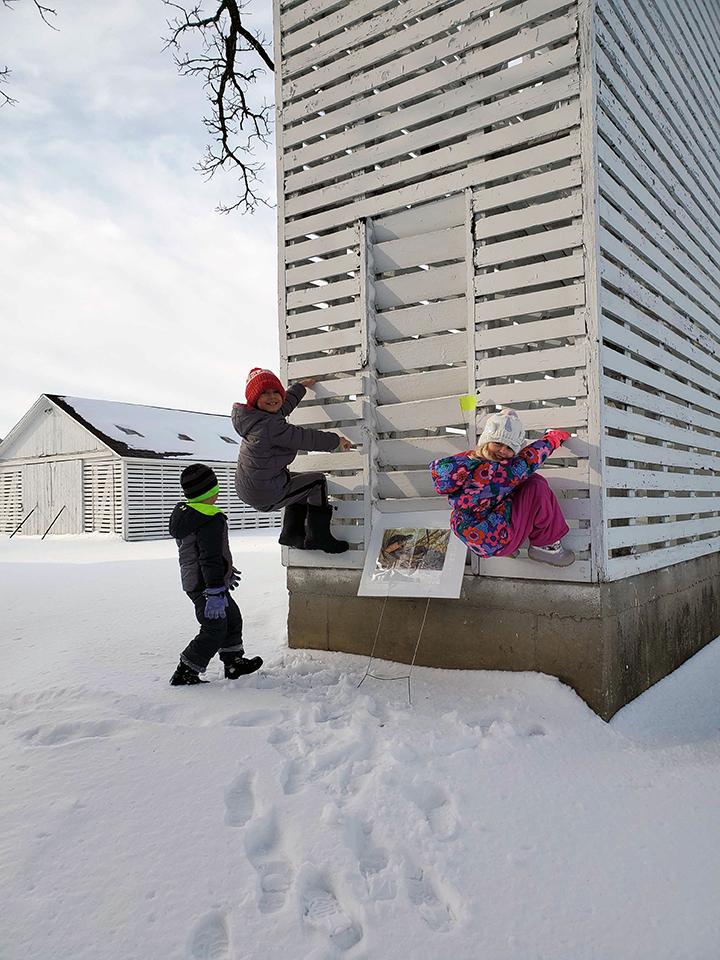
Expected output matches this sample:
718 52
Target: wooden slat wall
153 489
659 153
11 499
414 137
102 496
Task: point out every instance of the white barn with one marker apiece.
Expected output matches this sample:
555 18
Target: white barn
97 465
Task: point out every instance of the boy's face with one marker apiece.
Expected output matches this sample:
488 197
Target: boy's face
270 401
498 452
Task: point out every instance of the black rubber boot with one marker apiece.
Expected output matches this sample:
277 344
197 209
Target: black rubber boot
317 530
293 528
241 667
185 677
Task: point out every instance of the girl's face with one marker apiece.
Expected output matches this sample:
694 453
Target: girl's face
498 452
270 401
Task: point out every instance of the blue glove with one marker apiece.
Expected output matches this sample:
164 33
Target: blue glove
215 603
234 578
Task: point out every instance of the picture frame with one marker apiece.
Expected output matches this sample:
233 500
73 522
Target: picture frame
413 554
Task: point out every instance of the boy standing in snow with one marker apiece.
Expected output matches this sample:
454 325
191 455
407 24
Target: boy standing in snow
270 444
207 573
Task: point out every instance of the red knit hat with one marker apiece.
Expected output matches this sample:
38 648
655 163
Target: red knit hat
258 382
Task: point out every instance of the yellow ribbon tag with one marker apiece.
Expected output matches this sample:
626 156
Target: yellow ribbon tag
469 402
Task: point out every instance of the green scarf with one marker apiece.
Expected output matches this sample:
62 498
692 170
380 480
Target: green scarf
209 509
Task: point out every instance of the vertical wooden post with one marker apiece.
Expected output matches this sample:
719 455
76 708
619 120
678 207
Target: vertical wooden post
369 370
471 355
593 370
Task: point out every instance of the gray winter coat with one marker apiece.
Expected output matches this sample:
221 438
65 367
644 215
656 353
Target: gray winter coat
270 444
203 547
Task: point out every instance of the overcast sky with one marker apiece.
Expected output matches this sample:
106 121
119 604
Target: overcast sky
118 280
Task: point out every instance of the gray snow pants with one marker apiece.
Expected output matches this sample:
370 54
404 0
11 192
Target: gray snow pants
302 488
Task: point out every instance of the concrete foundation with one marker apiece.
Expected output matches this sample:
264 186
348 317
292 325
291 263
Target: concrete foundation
608 641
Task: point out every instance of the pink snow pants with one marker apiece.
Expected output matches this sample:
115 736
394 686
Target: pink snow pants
535 514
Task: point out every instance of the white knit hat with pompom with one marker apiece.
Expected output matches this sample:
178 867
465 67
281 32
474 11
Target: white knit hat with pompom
506 428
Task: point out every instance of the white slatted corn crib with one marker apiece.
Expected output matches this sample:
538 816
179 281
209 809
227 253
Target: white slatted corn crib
472 201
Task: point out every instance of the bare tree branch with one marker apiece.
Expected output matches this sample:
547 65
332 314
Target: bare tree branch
41 9
5 98
225 58
44 12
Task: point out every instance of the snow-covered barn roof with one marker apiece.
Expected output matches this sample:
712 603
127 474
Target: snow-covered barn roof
134 430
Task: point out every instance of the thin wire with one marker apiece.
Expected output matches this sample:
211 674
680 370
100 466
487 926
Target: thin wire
377 634
404 676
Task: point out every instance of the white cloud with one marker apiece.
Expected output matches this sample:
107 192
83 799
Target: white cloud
117 278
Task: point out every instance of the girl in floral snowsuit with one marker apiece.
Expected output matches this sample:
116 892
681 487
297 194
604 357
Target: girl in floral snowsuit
497 498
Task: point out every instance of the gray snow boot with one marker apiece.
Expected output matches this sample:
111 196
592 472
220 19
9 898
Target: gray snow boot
554 553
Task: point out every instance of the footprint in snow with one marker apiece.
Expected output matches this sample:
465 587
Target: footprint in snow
436 807
262 841
256 718
293 777
320 909
210 940
53 735
421 892
239 801
371 859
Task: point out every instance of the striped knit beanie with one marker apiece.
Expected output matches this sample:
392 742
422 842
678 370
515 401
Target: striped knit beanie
258 382
198 482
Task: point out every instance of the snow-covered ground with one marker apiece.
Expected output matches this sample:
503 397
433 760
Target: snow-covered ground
291 816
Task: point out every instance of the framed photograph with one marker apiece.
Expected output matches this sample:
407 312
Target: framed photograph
413 555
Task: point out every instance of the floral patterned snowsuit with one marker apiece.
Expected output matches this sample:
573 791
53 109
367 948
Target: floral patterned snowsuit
480 493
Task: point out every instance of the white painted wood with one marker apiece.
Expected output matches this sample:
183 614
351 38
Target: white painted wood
351 559
531 332
420 450
378 140
404 484
424 218
532 188
323 294
383 53
442 245
527 569
332 243
317 415
433 163
527 304
315 318
426 352
538 244
474 174
539 213
330 340
518 278
327 462
12 508
572 356
434 284
344 103
324 365
438 317
322 269
621 567
528 391
420 414
422 386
